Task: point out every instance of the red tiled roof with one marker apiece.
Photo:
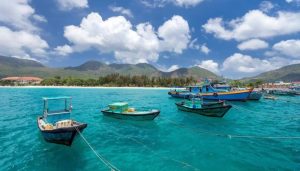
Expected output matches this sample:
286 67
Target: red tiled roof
22 79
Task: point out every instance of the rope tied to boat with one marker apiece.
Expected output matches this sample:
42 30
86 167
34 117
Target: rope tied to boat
101 158
243 109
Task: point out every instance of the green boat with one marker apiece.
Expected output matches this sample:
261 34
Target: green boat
121 110
212 109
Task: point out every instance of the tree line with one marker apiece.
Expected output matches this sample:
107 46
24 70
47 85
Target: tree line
117 80
120 80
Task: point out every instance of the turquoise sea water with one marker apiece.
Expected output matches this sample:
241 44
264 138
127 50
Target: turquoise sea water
173 141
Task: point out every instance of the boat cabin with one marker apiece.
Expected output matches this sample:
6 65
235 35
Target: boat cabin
54 111
205 88
118 107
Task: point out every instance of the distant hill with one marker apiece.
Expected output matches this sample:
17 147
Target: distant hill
10 66
16 62
90 65
196 72
286 73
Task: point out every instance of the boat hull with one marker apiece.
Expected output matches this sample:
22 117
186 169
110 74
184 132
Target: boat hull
182 95
231 96
64 136
218 111
136 117
282 92
255 95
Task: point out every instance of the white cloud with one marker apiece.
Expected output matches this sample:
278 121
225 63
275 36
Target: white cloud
71 4
175 34
266 6
204 49
210 65
194 45
162 3
293 1
239 65
19 14
21 43
253 44
140 44
39 18
63 50
186 3
121 10
19 34
245 64
254 24
216 26
166 69
172 68
290 48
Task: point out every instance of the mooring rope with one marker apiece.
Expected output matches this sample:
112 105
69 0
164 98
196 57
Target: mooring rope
101 158
155 153
242 108
254 112
230 136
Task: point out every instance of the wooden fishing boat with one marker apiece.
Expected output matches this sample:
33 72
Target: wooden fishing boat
296 89
180 94
207 92
212 109
270 97
189 92
56 126
255 95
121 110
282 92
238 95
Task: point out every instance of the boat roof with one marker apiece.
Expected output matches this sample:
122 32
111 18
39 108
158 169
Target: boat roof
118 104
194 86
57 98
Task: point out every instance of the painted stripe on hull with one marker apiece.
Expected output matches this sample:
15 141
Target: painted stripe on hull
222 96
131 117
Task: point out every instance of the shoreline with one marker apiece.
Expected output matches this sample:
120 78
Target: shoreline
86 87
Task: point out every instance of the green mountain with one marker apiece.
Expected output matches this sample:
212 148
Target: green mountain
10 66
286 73
195 72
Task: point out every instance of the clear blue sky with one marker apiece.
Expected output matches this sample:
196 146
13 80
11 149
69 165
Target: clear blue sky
234 38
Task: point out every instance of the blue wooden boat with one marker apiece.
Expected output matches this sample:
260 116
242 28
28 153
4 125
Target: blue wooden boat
56 125
212 109
208 92
221 86
121 110
239 95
